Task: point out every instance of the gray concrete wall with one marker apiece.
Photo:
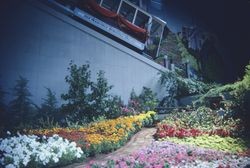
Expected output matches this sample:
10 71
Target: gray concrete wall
38 43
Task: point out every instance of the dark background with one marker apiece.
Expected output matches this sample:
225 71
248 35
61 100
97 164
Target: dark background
229 20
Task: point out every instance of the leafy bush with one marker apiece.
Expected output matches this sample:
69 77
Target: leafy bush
87 99
177 86
77 97
146 101
237 90
235 98
114 107
99 96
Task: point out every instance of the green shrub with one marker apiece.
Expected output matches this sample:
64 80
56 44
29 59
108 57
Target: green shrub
49 108
87 99
99 97
235 98
177 87
77 97
146 101
22 110
114 107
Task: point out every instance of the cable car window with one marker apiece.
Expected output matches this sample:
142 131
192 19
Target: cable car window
141 20
127 11
98 1
111 5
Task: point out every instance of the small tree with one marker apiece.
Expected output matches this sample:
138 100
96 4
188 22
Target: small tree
77 97
99 95
49 106
148 99
21 105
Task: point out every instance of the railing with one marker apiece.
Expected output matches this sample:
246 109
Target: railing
121 19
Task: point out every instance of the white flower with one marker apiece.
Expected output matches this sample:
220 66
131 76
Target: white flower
78 155
22 148
26 161
55 159
10 166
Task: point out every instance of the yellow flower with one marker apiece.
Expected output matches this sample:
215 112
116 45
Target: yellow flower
111 131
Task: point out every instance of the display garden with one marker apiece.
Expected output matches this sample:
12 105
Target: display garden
94 123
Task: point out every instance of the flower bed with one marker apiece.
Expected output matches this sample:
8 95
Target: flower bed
203 128
199 122
104 136
164 130
168 154
227 144
32 151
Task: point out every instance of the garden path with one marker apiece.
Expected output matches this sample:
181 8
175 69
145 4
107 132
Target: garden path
138 141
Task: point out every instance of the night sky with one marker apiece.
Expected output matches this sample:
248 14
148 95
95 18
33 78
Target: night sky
229 20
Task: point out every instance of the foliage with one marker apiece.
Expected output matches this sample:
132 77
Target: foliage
45 122
199 122
87 99
235 98
236 90
134 104
32 151
114 107
21 106
99 96
175 49
103 136
182 86
77 97
169 47
49 107
177 86
146 101
227 144
186 55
